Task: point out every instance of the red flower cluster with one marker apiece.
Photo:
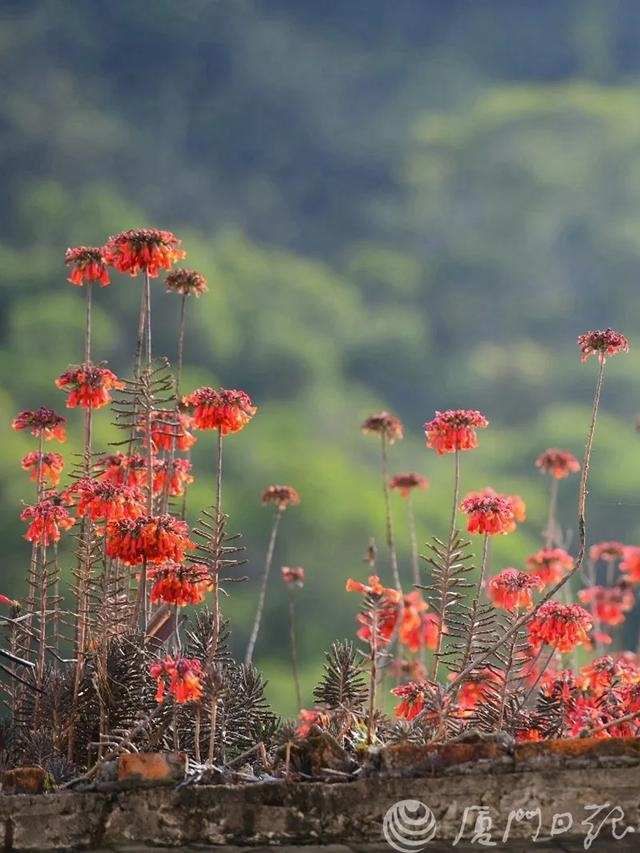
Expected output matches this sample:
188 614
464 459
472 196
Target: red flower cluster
511 589
386 425
49 519
293 575
405 483
550 565
86 264
88 385
49 465
181 675
563 626
607 551
385 601
143 249
558 463
186 282
179 478
608 604
491 513
418 629
630 564
454 429
226 410
122 469
167 434
413 695
102 500
175 583
603 343
42 422
281 496
156 539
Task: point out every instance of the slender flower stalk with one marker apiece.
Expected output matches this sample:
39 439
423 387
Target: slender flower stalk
248 658
391 544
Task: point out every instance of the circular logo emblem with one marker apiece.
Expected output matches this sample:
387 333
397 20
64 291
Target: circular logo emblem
408 826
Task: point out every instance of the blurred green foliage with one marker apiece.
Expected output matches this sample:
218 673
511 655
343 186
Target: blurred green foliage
415 205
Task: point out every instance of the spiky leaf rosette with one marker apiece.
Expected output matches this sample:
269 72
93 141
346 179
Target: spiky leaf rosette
343 684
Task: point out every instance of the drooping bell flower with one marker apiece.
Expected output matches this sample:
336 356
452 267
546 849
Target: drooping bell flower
473 690
418 628
42 422
630 564
143 250
512 590
86 264
48 520
550 565
169 432
384 603
179 478
156 539
413 695
226 410
88 386
454 429
406 483
490 513
564 626
600 675
186 282
386 425
608 552
182 677
123 469
557 463
608 604
47 465
602 343
179 584
293 575
104 501
281 497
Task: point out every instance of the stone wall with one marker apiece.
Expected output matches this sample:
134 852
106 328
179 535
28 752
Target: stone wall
348 815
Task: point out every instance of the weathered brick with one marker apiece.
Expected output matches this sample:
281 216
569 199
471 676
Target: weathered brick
24 780
152 768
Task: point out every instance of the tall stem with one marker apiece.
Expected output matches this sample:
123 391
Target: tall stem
294 647
263 588
551 533
391 545
446 579
414 540
87 327
373 674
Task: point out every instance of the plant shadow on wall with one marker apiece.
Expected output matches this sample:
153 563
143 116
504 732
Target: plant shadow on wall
137 657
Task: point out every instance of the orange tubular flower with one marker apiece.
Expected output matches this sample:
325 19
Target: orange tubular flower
418 629
491 513
166 434
609 604
405 483
630 564
50 466
563 626
603 343
179 478
511 589
385 601
174 583
557 463
226 410
88 385
600 675
413 696
48 520
181 675
156 539
143 250
454 429
123 470
293 575
101 500
473 690
42 422
281 497
384 424
609 552
186 282
550 565
86 264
